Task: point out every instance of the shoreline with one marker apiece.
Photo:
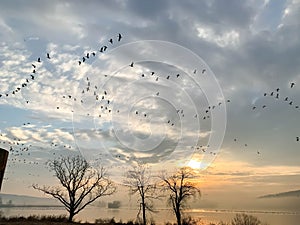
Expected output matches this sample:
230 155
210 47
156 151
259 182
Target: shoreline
194 210
31 206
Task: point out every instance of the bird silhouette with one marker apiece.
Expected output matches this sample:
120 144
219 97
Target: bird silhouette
119 37
297 138
203 71
292 84
131 65
39 59
111 41
48 56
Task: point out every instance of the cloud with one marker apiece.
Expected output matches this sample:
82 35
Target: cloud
251 46
223 40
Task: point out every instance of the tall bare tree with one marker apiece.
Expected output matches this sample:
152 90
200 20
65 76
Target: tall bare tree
180 189
141 183
80 184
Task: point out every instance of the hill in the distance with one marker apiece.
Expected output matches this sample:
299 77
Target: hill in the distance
26 200
283 194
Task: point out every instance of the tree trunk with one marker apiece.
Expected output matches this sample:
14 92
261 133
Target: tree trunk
178 215
144 211
71 215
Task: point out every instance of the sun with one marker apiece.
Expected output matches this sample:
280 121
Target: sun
194 164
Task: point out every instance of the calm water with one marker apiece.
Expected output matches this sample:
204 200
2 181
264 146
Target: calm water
163 215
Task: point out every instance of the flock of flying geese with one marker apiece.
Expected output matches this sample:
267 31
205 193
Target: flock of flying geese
27 80
18 148
276 95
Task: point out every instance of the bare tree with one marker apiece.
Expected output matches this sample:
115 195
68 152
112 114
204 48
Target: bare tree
180 189
244 219
80 184
140 182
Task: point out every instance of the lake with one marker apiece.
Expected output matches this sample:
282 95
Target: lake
91 213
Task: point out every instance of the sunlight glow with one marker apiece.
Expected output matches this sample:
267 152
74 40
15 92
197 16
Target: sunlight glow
286 12
194 164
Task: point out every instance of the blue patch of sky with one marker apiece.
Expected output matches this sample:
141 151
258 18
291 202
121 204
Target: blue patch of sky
271 15
12 116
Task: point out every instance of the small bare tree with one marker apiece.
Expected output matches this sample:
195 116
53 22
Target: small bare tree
180 189
244 219
140 182
80 184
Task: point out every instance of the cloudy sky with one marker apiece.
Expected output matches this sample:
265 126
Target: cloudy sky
214 85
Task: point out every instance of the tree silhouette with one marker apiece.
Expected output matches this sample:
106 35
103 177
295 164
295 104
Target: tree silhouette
180 189
80 184
244 219
140 182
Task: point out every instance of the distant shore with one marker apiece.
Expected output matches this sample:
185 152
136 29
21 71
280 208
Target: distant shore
30 206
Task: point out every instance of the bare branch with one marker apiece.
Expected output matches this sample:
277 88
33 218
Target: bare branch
180 190
140 182
81 184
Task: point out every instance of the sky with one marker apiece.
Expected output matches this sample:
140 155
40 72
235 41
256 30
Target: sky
214 85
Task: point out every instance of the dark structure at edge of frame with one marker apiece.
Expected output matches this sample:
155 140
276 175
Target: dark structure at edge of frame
3 160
